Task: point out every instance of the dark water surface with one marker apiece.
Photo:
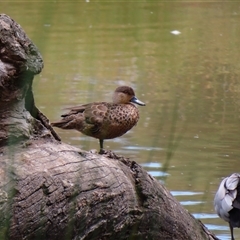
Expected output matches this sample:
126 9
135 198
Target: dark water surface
188 133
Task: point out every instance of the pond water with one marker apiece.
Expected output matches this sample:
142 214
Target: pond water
181 58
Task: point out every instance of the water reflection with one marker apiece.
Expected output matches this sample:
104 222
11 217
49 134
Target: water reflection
142 148
188 134
189 203
204 215
151 165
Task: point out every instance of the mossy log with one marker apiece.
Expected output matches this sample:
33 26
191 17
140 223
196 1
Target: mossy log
50 190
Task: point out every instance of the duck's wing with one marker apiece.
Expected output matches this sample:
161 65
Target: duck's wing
87 118
96 112
234 214
94 118
236 202
222 201
74 119
226 195
76 110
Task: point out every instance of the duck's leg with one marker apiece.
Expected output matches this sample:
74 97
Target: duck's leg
231 229
101 146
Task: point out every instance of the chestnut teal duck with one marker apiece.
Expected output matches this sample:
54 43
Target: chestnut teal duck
104 120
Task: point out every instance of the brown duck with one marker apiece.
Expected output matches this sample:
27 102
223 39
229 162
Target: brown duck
104 120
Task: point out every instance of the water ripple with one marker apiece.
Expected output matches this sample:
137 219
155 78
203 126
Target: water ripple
205 215
185 193
217 227
158 173
151 165
143 148
190 203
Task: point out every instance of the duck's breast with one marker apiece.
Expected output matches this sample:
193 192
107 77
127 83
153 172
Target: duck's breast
119 119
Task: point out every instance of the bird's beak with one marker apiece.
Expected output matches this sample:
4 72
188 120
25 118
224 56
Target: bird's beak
135 100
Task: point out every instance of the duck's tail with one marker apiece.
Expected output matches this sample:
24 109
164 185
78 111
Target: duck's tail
65 123
70 122
60 124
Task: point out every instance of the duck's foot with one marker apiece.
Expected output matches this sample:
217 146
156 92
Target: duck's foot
111 154
108 153
102 151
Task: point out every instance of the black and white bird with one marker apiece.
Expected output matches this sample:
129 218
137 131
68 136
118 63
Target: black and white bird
227 201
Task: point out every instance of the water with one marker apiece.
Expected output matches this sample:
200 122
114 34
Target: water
188 133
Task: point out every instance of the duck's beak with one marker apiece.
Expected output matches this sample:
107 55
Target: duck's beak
135 100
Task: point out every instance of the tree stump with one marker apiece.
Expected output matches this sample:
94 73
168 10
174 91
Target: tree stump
50 190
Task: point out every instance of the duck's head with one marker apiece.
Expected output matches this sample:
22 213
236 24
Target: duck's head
125 94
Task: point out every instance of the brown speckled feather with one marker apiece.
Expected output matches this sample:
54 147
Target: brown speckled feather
100 120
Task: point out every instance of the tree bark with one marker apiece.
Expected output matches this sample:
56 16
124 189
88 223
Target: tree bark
50 190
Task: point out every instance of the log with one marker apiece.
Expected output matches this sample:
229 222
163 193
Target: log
50 190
